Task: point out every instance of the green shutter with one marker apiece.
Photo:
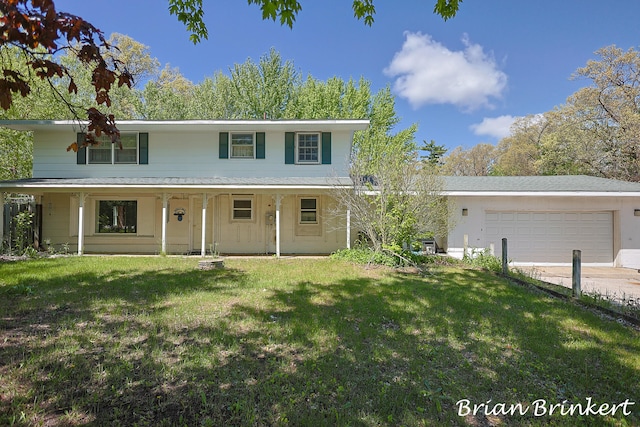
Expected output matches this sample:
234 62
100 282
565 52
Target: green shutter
289 148
224 145
260 148
81 154
326 148
144 148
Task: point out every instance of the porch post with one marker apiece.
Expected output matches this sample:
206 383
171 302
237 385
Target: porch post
348 228
81 198
165 201
214 211
278 201
203 249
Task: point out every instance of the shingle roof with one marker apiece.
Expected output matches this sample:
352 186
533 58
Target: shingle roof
559 183
468 185
171 182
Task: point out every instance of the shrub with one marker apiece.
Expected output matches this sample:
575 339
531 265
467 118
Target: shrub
482 258
365 255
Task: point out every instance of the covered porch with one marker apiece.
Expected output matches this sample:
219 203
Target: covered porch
190 216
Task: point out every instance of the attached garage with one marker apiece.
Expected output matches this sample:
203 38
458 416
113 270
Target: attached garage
545 218
550 237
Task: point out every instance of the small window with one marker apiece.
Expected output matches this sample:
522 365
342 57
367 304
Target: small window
308 148
242 145
308 211
107 153
242 209
117 216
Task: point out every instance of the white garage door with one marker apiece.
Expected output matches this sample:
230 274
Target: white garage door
552 236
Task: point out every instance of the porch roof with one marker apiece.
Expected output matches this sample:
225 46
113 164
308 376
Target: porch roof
173 183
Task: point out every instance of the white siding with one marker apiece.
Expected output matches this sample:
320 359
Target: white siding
181 154
625 230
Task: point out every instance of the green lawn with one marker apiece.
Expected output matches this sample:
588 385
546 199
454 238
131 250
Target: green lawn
154 341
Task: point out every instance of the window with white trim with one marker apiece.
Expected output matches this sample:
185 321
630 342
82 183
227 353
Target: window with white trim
117 216
242 146
308 148
308 211
107 153
242 209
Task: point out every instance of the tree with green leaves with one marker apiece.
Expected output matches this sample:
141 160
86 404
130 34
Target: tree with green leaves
435 153
475 161
394 202
263 90
168 97
519 153
596 132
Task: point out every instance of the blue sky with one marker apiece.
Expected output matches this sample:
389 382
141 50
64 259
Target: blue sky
462 81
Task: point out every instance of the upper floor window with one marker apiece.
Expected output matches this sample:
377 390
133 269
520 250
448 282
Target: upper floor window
242 146
308 148
106 152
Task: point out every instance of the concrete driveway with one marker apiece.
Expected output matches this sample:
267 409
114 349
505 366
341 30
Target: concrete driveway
618 283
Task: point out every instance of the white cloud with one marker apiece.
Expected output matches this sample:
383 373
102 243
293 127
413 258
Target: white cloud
498 127
426 72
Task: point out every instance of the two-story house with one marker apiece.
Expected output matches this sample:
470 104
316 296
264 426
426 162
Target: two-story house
231 186
264 186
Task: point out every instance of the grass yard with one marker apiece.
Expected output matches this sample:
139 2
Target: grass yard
154 341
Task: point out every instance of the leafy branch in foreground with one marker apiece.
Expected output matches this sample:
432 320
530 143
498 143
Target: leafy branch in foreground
40 32
191 13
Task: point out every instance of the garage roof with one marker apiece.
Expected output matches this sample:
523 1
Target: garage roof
525 185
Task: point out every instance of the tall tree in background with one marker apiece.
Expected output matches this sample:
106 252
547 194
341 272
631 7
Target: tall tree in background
607 114
263 89
435 153
596 132
519 153
168 97
476 161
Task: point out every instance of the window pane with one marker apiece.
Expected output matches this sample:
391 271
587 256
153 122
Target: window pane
242 145
117 216
128 153
100 154
308 203
242 209
240 214
308 216
308 210
308 148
